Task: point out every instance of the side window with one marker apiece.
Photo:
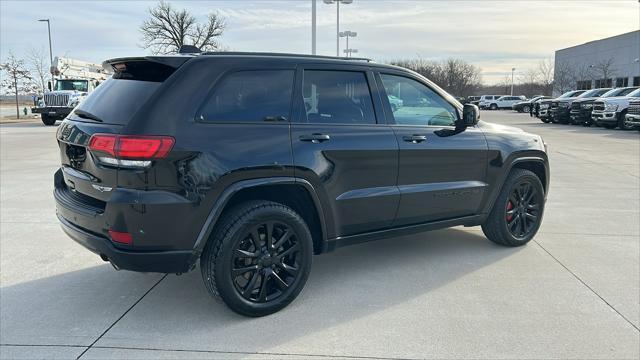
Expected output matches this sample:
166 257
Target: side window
337 97
413 103
250 96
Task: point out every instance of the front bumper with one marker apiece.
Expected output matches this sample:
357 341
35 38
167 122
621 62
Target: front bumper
57 111
560 113
604 117
632 119
543 113
581 115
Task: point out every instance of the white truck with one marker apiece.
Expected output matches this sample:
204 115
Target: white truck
74 80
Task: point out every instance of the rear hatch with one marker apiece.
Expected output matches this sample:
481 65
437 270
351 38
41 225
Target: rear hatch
89 135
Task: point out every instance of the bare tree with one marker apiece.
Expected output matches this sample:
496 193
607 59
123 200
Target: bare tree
564 77
605 69
18 79
454 75
168 29
545 75
38 61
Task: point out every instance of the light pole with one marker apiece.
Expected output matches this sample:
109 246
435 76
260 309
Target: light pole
313 27
512 71
347 34
50 51
337 2
350 52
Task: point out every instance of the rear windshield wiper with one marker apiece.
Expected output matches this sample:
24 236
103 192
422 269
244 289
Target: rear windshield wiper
87 115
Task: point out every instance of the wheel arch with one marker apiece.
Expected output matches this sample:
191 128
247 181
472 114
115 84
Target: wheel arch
298 194
536 162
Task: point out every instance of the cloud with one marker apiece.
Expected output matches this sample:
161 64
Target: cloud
495 35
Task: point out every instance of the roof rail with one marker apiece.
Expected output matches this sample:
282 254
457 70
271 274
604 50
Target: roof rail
285 54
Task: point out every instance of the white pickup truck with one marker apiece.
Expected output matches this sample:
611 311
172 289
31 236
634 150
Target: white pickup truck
76 79
505 102
610 112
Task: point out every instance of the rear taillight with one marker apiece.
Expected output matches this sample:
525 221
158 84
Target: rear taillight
130 150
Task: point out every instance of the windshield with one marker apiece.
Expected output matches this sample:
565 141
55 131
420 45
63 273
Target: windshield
593 93
77 85
619 92
569 94
635 93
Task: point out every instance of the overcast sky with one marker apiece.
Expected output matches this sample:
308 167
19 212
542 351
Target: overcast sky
494 35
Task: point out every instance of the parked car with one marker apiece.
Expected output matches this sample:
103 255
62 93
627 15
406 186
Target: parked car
560 105
586 106
562 112
610 112
505 102
486 100
544 114
251 163
475 100
525 105
536 105
632 118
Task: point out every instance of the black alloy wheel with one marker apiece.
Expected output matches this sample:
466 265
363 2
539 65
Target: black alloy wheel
266 262
259 257
522 211
517 213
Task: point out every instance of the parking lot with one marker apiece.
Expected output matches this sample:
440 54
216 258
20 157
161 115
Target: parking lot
573 292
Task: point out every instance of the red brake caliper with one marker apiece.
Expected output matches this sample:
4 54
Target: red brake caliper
509 207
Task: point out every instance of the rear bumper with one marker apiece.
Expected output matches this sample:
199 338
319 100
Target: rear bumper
57 111
161 261
162 241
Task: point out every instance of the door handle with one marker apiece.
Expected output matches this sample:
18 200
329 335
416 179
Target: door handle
414 138
315 138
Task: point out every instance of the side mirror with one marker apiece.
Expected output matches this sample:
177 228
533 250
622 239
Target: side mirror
470 116
49 85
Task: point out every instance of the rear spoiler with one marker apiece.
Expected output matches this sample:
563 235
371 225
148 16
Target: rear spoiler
174 61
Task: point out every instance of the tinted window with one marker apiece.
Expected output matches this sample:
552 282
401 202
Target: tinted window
413 103
116 101
337 97
256 95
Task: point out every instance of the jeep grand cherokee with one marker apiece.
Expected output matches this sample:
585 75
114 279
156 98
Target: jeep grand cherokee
249 164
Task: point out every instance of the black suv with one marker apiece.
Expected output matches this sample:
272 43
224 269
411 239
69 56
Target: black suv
251 163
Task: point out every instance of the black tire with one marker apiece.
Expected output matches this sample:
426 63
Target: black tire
493 107
545 120
502 227
48 120
621 123
525 108
232 245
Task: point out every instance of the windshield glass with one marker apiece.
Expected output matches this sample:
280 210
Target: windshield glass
635 93
593 93
569 94
77 85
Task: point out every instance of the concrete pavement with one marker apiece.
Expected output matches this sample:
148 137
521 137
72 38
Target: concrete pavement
573 292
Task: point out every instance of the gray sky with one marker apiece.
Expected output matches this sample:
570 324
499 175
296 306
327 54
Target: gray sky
495 35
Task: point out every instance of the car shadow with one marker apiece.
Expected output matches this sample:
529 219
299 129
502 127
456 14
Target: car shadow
349 284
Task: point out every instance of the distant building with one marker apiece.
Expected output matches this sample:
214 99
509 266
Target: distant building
610 62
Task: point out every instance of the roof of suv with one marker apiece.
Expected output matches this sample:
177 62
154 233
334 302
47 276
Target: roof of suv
176 60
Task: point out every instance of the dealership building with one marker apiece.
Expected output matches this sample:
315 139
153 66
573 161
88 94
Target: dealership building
610 62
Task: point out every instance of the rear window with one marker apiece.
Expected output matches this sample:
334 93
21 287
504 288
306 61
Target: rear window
250 96
115 101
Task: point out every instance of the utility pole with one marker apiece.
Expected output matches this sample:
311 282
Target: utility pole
50 50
